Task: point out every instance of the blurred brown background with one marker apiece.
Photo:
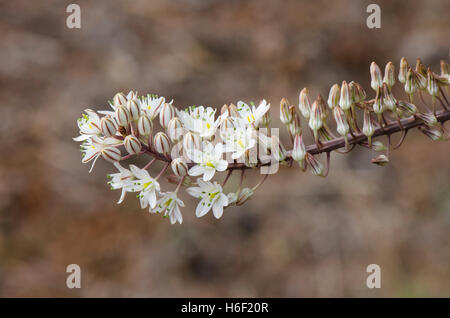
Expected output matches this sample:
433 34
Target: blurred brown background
300 236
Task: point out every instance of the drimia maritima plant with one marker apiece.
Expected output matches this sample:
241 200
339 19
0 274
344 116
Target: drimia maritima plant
194 142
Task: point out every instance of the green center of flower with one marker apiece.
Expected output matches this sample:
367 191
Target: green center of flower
147 184
212 195
210 164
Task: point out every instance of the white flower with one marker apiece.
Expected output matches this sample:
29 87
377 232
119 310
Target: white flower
151 105
239 140
208 161
201 120
170 205
89 125
211 196
121 180
252 115
95 146
147 186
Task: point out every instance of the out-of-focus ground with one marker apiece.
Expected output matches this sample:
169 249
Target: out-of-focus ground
299 236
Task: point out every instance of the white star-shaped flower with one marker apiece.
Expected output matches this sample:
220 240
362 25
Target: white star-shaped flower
239 140
89 125
121 180
201 120
95 146
208 161
169 204
253 115
211 196
146 185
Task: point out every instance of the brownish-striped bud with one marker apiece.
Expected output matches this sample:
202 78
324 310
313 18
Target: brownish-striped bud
285 114
403 71
145 125
389 76
108 126
345 101
132 144
162 143
334 96
376 80
304 104
133 106
179 167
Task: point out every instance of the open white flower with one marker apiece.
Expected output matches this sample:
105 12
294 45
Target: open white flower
89 125
201 120
211 196
170 205
151 105
208 161
253 115
146 185
95 146
121 180
239 140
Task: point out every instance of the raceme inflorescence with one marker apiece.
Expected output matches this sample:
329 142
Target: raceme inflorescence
195 142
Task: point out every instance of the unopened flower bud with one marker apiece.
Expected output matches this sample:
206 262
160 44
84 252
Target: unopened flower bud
381 160
111 154
334 96
407 108
368 128
133 106
358 93
420 68
345 101
123 117
145 125
295 125
179 167
402 73
428 118
378 106
304 104
432 85
323 108
389 101
285 114
315 119
175 130
244 196
132 144
341 122
120 99
166 114
108 126
410 84
299 149
316 167
162 143
432 133
191 141
389 77
376 81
